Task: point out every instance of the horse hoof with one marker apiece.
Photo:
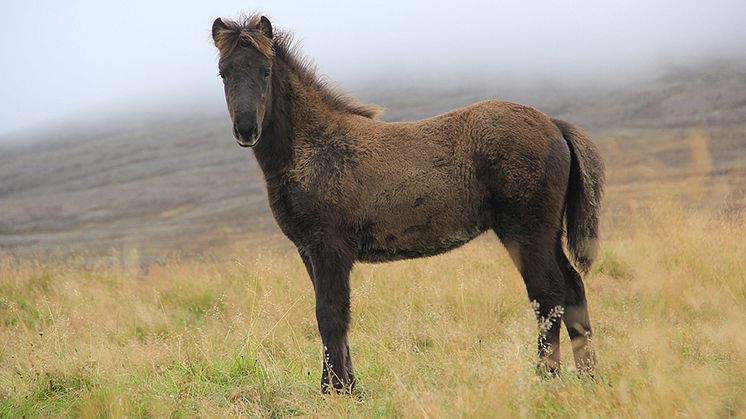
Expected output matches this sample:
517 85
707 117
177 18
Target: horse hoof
338 387
547 372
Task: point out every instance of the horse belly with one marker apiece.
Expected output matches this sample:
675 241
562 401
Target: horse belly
406 233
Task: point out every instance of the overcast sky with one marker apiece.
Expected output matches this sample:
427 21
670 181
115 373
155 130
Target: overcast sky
66 57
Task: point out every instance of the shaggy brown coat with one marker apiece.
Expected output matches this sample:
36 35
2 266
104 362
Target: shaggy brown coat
346 187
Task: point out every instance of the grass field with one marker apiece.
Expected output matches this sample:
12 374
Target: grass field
449 336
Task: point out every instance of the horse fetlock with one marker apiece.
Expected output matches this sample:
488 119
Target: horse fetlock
585 357
336 372
337 379
548 368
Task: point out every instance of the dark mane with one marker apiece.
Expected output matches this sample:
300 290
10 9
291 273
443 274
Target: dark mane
246 32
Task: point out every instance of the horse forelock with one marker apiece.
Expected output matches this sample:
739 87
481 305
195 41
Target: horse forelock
245 30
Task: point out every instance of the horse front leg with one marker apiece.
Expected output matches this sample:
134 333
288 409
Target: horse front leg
331 277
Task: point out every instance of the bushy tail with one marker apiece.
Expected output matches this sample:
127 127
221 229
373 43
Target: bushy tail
584 195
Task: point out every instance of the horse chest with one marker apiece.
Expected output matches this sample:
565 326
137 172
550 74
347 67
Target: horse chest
300 212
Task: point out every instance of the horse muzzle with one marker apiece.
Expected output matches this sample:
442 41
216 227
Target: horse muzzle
247 139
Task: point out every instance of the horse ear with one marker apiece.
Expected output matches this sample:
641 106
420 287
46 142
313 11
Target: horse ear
217 26
265 26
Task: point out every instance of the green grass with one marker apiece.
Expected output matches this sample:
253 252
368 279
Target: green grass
446 336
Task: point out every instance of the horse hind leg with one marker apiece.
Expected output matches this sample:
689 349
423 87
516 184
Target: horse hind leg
546 291
576 316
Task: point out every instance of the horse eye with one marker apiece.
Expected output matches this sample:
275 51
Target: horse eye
266 74
222 76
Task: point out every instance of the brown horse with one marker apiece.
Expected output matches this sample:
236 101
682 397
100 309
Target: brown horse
345 187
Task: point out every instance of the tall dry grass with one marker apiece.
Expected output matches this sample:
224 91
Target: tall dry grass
446 336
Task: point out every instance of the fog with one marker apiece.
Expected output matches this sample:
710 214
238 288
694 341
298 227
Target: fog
91 57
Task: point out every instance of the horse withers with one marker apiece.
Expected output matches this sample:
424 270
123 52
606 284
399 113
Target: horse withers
346 187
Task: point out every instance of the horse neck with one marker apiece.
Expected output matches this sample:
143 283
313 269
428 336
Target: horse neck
293 101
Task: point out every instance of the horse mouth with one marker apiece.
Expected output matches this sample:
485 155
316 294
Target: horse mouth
246 144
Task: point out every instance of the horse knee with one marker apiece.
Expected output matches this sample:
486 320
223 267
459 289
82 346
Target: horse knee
333 320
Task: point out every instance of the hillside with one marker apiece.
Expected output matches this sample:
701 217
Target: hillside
181 185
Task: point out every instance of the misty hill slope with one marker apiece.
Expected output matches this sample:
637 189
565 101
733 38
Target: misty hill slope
149 188
712 95
181 184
